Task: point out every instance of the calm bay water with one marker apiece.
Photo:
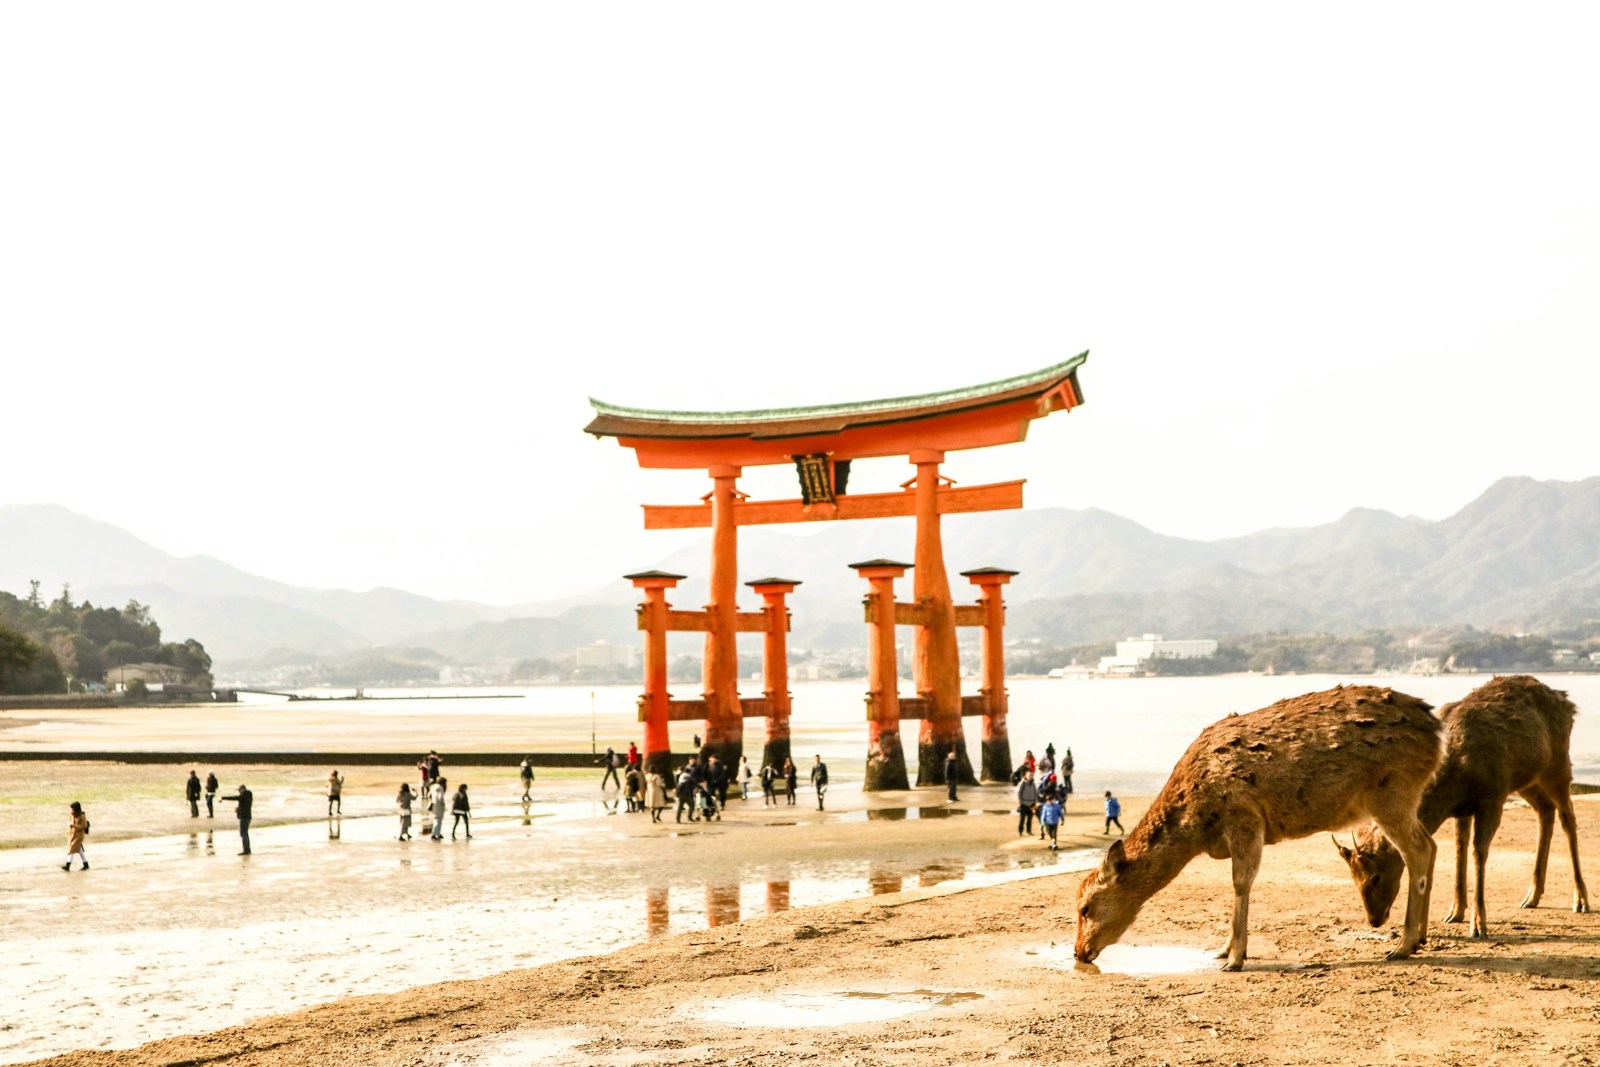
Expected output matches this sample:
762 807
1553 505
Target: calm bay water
1125 734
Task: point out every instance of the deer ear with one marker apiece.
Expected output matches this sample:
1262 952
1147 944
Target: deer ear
1344 852
1116 859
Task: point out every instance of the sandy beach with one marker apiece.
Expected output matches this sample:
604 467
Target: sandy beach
952 974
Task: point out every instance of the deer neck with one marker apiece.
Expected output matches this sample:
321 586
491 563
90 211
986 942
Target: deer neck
1156 855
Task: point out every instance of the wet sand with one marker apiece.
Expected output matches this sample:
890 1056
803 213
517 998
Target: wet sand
946 975
171 932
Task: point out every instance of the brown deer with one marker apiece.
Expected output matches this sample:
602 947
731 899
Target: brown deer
1507 736
1316 762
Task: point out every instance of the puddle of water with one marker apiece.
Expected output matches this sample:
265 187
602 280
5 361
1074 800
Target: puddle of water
801 1009
1139 961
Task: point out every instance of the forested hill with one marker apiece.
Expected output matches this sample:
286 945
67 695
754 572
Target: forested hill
49 648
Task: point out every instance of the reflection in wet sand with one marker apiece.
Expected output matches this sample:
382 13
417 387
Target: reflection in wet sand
777 897
882 880
655 911
722 905
935 873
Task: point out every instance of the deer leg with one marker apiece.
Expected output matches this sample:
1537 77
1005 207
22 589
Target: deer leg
1417 848
1569 826
1541 858
1487 821
1246 851
1458 909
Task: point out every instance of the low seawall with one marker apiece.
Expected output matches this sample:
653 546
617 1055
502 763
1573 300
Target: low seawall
353 759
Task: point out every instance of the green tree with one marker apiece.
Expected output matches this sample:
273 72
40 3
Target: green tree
17 654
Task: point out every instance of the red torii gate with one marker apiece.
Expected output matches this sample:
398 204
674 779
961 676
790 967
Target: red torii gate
821 442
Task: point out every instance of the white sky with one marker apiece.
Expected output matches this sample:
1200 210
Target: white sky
321 289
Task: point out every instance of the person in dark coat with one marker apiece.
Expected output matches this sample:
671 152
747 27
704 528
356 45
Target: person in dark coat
461 808
191 790
717 780
791 779
819 780
244 798
211 794
685 792
952 774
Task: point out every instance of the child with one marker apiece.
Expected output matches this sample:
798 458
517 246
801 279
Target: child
1113 809
1050 819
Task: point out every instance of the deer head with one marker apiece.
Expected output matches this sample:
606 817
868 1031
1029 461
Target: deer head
1107 905
1376 868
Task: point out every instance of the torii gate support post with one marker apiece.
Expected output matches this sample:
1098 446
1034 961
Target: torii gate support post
996 739
774 669
886 758
724 737
937 663
653 705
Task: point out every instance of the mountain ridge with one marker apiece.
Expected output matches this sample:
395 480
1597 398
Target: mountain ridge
1524 554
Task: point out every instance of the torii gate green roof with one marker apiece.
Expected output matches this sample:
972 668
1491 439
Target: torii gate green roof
615 420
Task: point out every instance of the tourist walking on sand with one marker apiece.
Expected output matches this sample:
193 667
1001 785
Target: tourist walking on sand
191 792
791 779
1113 809
717 780
437 797
77 830
769 786
745 774
655 794
633 754
1027 801
819 779
527 777
686 791
611 769
461 808
403 806
335 793
1050 819
1066 778
211 794
633 788
245 800
952 774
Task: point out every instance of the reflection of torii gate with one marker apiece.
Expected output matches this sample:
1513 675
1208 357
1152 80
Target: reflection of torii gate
821 442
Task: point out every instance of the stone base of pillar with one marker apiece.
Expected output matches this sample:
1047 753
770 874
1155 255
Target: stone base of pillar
930 761
997 759
660 763
726 742
886 765
773 753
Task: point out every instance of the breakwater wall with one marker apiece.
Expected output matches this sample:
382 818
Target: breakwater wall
352 759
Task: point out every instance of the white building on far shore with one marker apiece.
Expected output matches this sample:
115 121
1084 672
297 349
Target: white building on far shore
601 654
1135 651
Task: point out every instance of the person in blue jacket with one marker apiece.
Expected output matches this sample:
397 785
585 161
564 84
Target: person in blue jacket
1113 809
1050 819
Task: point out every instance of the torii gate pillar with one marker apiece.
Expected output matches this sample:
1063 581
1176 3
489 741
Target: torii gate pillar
774 668
937 661
886 759
724 719
654 704
996 739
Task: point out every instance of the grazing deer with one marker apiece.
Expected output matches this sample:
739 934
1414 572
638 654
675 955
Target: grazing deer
1316 762
1507 736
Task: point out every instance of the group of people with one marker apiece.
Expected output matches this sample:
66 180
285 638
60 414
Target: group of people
1043 789
435 797
700 788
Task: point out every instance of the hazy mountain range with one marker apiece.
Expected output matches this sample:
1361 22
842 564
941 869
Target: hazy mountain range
1524 555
